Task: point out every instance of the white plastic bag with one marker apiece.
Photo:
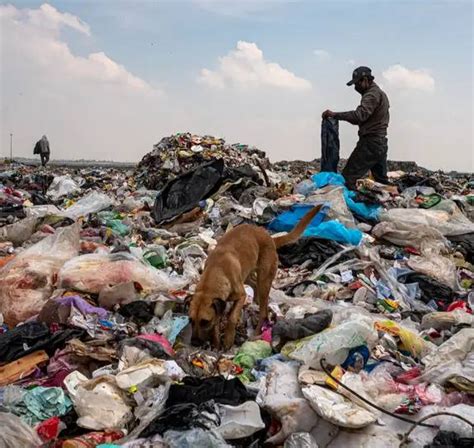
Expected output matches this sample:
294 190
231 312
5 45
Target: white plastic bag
141 374
335 343
403 234
283 398
455 357
27 282
445 320
92 203
62 186
336 409
433 264
15 433
451 222
194 438
300 440
334 195
93 272
100 404
239 421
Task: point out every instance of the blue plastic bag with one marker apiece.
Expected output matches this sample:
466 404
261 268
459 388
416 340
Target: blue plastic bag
327 178
329 230
359 208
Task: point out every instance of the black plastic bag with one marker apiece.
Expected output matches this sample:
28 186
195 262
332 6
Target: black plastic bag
184 193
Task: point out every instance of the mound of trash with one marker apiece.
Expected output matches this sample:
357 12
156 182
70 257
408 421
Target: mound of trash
370 314
180 153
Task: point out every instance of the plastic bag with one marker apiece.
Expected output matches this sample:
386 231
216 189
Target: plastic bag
455 357
239 421
100 404
249 353
367 211
27 282
434 265
410 341
334 196
93 272
19 232
331 230
282 397
42 210
92 203
15 433
449 423
403 234
305 187
336 409
334 343
445 320
300 440
62 186
448 223
194 438
141 374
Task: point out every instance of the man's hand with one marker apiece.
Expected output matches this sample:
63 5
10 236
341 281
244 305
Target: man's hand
328 113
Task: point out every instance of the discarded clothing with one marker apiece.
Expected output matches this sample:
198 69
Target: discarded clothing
312 252
449 439
465 244
329 144
184 416
430 288
38 404
197 391
33 336
140 312
292 329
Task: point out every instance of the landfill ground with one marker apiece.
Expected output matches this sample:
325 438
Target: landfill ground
369 340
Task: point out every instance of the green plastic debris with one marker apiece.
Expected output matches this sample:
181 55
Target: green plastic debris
249 354
156 257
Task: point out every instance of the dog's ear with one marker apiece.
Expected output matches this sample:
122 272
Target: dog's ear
219 306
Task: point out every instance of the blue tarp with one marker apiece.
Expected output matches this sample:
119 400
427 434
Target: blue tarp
330 230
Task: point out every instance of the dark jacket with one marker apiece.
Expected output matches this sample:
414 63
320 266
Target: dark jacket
372 115
41 147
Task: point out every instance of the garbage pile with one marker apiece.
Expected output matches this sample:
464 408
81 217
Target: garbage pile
370 329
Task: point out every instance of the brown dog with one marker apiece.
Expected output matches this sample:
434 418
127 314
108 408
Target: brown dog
239 253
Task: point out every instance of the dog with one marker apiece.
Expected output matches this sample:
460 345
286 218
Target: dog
240 253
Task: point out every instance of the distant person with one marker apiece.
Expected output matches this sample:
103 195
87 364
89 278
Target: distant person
372 117
42 148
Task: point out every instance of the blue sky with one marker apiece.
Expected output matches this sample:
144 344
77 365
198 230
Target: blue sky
149 81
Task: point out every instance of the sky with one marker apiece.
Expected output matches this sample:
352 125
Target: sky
107 79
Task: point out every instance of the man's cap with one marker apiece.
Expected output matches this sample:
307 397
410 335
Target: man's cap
358 74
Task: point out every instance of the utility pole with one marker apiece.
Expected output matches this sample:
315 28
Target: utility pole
11 147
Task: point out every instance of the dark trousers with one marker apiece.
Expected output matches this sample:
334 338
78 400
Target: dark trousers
44 158
370 153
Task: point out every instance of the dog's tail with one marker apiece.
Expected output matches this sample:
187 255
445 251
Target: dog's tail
293 236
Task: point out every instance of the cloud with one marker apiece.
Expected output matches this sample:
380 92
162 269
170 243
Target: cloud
233 8
246 67
49 54
48 16
400 77
90 106
322 54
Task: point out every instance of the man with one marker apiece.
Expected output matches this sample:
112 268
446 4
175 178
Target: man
42 148
372 117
